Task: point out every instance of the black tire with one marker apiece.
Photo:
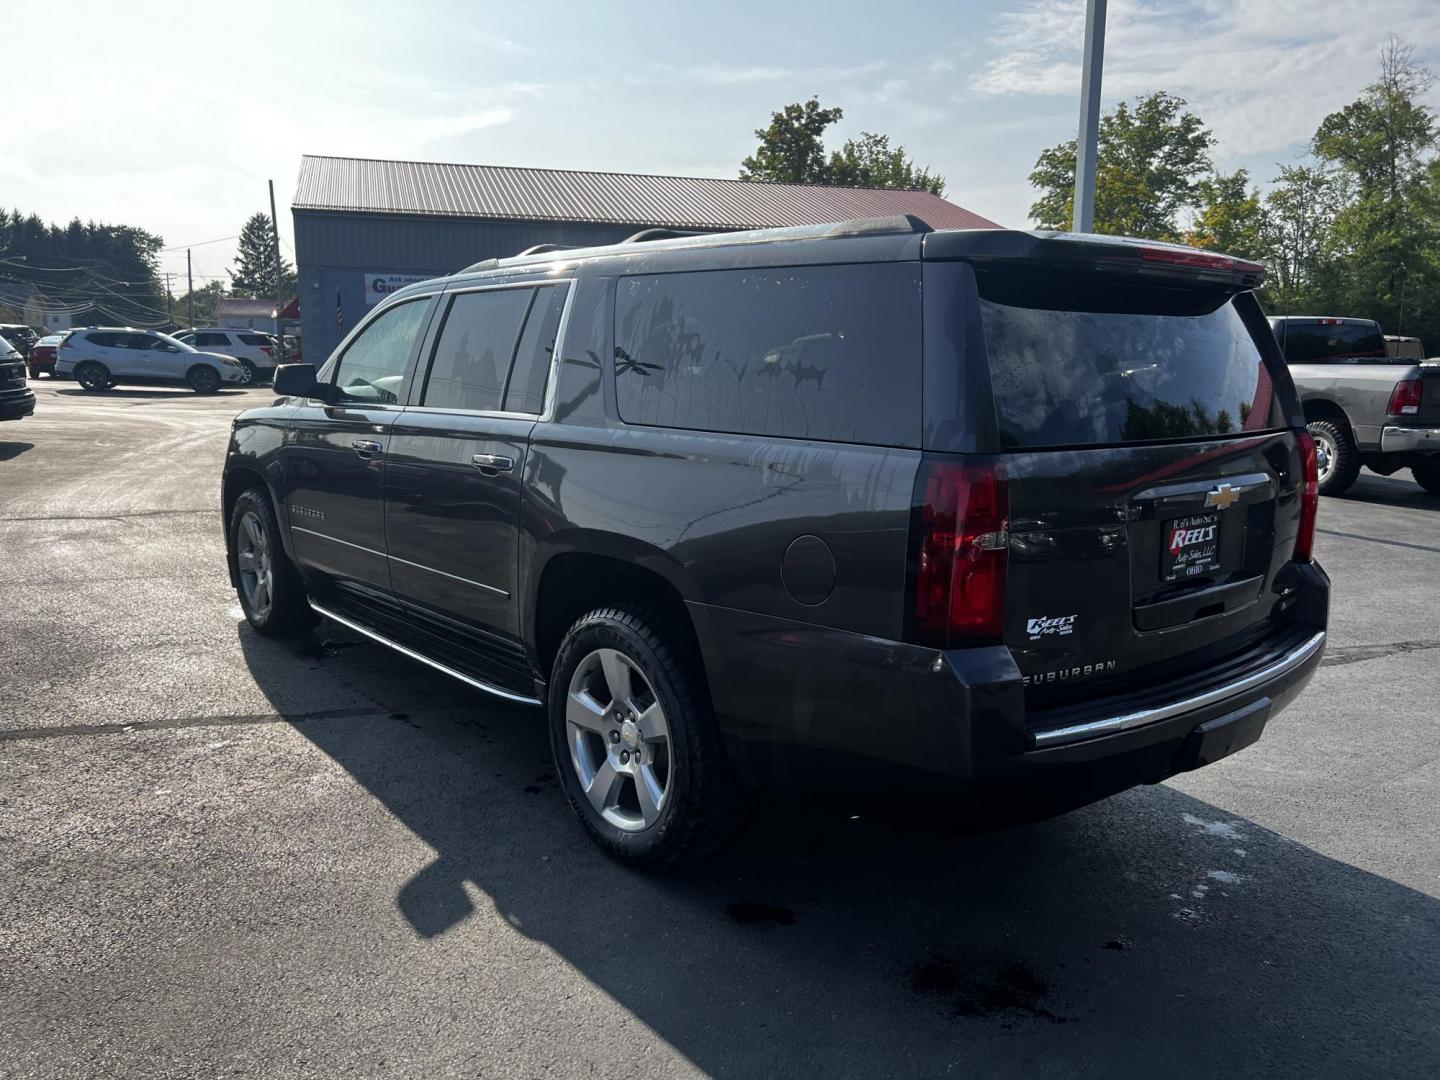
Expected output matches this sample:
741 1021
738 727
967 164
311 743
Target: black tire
93 376
1427 476
701 802
203 379
1333 439
287 613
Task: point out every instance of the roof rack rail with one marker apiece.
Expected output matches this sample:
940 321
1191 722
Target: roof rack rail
645 235
540 249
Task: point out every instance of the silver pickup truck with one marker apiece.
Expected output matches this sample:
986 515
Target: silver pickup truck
1363 407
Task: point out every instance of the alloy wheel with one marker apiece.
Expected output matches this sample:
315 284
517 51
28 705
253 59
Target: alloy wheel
252 558
1325 455
619 740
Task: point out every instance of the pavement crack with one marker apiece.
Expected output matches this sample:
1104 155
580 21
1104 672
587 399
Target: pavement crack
110 517
1353 654
234 719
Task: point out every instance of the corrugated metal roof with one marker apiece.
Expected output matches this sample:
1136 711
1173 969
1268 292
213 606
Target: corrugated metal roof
694 202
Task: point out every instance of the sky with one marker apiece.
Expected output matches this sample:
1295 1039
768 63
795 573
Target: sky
172 116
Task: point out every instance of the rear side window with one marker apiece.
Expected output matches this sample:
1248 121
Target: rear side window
103 341
204 340
525 390
475 348
813 352
1112 363
1320 342
256 340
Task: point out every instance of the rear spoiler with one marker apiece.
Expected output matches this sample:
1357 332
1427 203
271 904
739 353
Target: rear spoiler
1143 259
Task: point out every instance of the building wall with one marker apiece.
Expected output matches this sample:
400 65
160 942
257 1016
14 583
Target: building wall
337 254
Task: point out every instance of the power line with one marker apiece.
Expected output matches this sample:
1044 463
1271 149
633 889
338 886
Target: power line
202 243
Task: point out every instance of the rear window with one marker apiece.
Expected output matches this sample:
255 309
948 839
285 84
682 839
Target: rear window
813 352
1111 363
1319 343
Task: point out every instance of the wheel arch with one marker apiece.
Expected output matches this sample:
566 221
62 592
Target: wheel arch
1320 408
584 570
238 479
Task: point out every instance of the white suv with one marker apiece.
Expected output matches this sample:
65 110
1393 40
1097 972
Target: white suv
253 348
99 357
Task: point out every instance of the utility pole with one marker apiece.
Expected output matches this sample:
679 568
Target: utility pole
169 299
279 300
1087 141
190 284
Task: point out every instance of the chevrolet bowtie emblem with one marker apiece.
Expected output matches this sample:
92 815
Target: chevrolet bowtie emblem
1222 497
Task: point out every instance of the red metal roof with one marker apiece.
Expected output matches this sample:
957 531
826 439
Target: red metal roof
496 191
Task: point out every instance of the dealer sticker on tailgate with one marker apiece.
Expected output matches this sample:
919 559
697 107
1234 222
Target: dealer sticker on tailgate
1191 546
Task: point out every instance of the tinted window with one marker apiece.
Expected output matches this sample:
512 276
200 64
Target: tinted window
817 352
257 340
103 341
475 348
373 366
525 391
141 342
1117 364
204 340
1318 342
189 339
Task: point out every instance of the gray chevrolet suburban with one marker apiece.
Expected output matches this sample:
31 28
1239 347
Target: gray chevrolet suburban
1363 406
861 508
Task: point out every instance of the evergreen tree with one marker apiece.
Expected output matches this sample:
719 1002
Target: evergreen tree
254 272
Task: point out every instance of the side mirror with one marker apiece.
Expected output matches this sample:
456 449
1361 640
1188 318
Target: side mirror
298 380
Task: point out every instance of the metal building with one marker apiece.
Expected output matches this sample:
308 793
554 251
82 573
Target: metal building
364 228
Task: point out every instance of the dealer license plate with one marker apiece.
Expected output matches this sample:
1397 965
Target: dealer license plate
1190 546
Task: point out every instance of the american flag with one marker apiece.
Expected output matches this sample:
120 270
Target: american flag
339 313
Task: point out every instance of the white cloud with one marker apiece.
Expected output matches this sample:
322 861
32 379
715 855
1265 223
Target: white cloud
1262 75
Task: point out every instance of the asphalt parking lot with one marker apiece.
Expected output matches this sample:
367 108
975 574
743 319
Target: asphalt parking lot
225 855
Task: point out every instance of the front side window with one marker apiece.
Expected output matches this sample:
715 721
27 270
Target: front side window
809 352
203 341
475 349
372 369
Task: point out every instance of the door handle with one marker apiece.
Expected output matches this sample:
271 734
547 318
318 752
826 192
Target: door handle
492 464
366 447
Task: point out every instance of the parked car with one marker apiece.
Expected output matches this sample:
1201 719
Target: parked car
1362 405
17 400
254 349
99 357
862 507
1404 348
20 337
42 356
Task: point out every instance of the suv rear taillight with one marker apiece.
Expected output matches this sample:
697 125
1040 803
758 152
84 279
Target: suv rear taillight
268 350
1309 495
961 540
1405 398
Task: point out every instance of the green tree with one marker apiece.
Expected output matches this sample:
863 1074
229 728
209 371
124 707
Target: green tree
254 272
84 263
869 161
792 151
1382 147
1298 239
1229 216
205 297
1151 157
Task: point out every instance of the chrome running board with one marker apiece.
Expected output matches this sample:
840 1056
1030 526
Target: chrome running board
508 695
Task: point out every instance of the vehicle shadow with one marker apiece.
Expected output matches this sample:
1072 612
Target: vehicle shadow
120 394
1397 490
9 449
1151 935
